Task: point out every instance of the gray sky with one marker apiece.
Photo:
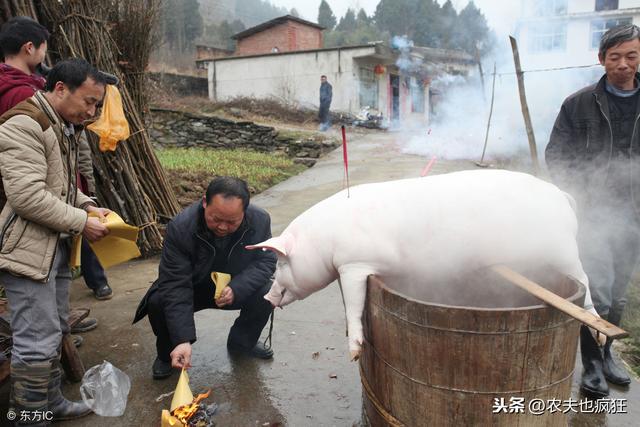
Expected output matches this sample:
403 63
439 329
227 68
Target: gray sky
501 14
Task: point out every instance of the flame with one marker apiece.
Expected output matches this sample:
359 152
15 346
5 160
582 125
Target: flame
185 412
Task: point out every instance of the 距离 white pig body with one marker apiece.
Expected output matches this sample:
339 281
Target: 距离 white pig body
408 230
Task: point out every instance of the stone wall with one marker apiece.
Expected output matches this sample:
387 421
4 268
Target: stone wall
179 129
181 84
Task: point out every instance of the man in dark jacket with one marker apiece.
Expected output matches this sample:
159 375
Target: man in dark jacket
326 94
593 154
210 236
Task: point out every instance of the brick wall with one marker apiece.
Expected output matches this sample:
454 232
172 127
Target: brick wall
286 37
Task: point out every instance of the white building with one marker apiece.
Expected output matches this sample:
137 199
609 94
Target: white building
366 75
567 33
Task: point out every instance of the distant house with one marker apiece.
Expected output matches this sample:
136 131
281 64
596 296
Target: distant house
284 34
568 32
284 58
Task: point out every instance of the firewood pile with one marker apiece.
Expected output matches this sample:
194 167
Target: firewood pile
117 36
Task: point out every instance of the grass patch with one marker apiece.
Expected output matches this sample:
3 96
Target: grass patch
191 169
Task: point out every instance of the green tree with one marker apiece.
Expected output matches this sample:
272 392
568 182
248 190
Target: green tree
326 18
181 23
254 12
362 18
473 30
397 16
347 22
428 26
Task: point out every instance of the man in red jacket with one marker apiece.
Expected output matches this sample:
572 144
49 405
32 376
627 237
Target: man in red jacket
24 45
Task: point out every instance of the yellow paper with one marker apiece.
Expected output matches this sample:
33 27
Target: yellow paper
221 280
115 248
112 125
183 395
169 421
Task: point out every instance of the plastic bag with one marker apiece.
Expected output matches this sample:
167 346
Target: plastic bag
112 126
105 389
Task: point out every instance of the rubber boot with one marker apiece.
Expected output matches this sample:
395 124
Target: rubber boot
593 382
28 401
61 408
612 372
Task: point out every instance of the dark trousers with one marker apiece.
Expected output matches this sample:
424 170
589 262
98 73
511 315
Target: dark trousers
609 249
244 334
92 271
323 114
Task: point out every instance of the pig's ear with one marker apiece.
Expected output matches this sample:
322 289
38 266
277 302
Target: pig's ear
281 245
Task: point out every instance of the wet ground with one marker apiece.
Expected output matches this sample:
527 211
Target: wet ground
310 381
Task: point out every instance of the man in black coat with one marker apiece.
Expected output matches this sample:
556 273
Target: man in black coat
210 236
593 153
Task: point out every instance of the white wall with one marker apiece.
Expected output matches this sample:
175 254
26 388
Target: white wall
579 50
292 77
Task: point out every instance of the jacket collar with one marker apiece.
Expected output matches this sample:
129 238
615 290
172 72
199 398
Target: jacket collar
57 121
599 90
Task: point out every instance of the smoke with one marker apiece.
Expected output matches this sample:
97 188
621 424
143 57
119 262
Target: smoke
405 62
460 107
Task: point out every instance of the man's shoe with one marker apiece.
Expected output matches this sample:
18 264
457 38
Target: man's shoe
161 369
103 292
612 372
593 382
259 351
85 325
77 340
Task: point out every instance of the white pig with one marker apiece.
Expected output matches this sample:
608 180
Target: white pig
408 230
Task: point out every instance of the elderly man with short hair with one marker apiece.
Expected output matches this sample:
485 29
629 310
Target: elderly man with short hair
593 153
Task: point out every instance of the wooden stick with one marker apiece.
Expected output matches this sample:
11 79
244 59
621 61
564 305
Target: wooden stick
493 93
560 303
525 107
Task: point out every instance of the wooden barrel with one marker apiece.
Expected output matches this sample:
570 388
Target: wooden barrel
452 361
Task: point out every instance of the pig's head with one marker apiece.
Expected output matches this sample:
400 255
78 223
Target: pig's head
300 271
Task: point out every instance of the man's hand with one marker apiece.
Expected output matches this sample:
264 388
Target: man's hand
94 229
101 212
181 356
226 297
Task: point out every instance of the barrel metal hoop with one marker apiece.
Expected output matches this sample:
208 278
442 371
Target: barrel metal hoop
510 393
462 331
390 419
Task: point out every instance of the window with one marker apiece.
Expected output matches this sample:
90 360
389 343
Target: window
606 5
547 37
601 26
550 7
368 88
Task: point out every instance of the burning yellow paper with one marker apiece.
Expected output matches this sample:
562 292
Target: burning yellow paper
168 420
117 247
183 395
221 280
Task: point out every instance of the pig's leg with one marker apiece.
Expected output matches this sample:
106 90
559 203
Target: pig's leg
577 272
353 279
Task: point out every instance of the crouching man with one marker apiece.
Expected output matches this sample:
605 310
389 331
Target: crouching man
210 236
